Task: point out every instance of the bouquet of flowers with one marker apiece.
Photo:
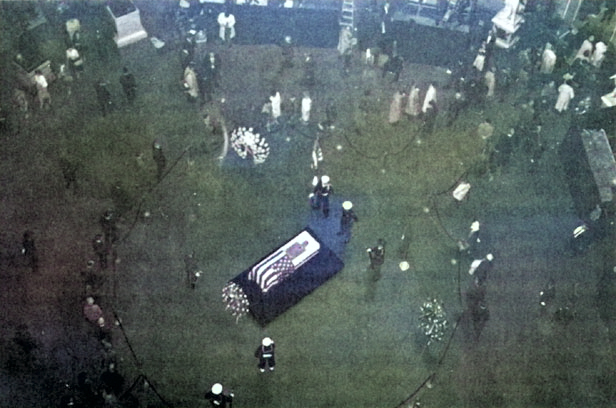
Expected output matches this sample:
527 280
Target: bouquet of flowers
247 143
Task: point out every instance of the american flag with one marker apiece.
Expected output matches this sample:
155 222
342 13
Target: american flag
272 270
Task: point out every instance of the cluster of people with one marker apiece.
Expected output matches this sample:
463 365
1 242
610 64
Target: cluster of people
410 104
220 397
320 199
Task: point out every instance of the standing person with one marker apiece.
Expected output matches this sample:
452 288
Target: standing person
306 107
480 60
129 85
490 82
191 85
429 117
323 190
193 273
345 48
29 251
565 94
287 53
598 55
430 96
386 17
413 105
310 69
103 96
377 258
100 249
110 229
265 354
548 60
586 50
42 91
218 397
226 23
479 269
211 76
346 220
74 61
395 108
159 159
20 101
276 101
457 105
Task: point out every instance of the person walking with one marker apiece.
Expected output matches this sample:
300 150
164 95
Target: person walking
265 354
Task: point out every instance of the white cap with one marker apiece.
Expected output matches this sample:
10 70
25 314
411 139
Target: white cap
217 388
267 342
324 179
475 226
347 205
90 300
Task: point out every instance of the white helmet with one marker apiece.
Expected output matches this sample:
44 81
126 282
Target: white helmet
347 205
217 389
325 179
266 342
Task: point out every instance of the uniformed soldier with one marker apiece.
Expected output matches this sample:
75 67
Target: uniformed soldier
218 397
323 190
377 258
346 220
265 354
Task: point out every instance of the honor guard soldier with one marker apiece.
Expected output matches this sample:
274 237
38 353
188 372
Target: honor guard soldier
218 397
377 257
265 354
346 220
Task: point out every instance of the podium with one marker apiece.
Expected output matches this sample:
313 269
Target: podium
127 22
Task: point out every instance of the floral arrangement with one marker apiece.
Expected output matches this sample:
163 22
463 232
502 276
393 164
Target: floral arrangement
236 300
248 144
433 320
